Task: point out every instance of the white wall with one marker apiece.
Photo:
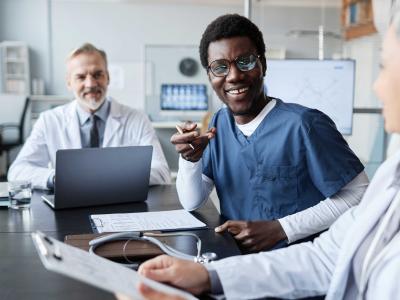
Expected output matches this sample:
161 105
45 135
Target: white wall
367 139
276 22
54 27
122 28
27 20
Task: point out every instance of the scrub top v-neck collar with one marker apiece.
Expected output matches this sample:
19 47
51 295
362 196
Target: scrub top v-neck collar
266 111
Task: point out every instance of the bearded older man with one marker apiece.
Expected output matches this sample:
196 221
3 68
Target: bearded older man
91 120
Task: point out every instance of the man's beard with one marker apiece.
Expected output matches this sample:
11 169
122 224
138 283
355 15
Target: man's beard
90 104
254 109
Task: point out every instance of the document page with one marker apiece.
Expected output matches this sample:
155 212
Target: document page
94 270
146 221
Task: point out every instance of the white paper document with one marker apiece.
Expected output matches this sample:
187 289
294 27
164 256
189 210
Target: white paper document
95 270
146 221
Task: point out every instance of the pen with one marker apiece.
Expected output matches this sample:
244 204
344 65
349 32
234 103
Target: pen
181 132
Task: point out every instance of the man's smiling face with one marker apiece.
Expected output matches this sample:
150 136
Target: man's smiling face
87 78
239 90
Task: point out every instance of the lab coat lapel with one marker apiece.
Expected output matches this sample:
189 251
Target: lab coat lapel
350 246
381 196
113 124
366 222
71 129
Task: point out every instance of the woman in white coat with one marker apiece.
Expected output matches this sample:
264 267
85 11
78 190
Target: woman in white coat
358 257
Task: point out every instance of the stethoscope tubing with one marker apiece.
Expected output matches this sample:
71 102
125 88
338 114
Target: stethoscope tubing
150 237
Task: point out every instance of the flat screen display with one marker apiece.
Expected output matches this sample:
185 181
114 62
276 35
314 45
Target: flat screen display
183 97
327 85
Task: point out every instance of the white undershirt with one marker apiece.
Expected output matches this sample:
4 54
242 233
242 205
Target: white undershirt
194 189
248 128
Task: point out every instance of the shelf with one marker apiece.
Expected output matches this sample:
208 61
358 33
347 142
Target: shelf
51 98
357 18
40 103
357 31
169 125
15 86
15 76
15 60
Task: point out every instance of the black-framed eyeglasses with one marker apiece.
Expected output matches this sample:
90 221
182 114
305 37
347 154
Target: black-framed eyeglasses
244 63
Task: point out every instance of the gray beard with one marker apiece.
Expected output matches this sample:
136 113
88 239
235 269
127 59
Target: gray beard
92 104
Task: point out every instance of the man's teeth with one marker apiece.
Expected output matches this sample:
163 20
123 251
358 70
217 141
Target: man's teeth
238 91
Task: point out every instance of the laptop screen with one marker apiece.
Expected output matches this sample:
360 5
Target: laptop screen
97 176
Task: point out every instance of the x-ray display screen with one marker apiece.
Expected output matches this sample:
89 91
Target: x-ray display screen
184 97
327 85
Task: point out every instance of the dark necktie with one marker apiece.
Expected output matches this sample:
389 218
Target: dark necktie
94 132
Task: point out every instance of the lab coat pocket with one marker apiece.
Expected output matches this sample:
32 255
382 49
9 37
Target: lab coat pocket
279 190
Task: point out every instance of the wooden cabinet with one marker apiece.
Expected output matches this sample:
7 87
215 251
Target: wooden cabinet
357 18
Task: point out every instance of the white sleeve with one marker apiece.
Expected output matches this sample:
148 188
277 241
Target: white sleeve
159 173
32 162
320 216
298 271
192 185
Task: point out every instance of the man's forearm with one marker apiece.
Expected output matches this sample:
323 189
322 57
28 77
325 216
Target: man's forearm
320 216
298 271
192 186
159 174
38 176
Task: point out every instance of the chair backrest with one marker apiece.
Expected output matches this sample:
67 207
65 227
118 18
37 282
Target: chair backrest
13 110
22 120
12 107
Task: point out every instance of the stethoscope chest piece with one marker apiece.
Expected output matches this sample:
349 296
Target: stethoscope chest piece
206 257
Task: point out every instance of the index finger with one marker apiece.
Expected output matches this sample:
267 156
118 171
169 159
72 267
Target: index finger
159 262
232 226
188 126
184 138
210 133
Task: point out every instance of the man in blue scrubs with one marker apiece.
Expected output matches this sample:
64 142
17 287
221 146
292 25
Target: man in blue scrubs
282 171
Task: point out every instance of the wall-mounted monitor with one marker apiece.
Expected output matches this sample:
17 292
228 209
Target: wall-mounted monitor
327 85
190 99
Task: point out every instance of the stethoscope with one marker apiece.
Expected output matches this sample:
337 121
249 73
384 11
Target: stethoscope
202 258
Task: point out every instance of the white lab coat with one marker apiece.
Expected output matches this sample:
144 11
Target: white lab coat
322 267
58 128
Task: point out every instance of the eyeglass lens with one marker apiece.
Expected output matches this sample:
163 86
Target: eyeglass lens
244 63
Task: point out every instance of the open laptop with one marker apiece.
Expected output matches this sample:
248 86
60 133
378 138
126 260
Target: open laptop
98 176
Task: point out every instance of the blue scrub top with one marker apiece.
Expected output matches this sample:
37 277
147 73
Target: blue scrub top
293 160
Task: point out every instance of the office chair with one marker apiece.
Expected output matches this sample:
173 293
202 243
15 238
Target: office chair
12 131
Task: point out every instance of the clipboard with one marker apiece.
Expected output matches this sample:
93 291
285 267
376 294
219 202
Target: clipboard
94 270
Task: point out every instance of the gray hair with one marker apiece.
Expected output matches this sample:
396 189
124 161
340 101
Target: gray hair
87 48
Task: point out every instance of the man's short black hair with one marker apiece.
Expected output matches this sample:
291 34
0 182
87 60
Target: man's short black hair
229 26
